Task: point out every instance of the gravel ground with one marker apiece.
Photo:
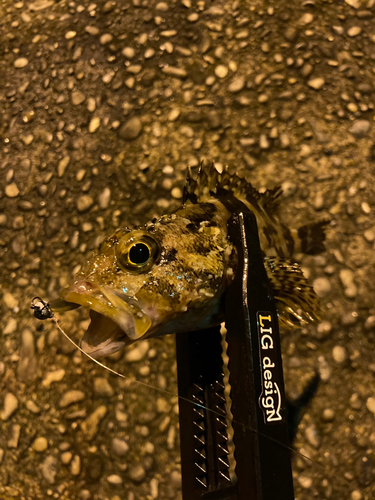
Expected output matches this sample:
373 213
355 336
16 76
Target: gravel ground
102 107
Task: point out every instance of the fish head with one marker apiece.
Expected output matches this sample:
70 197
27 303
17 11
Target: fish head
166 277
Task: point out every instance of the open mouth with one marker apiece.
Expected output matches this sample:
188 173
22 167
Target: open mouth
116 319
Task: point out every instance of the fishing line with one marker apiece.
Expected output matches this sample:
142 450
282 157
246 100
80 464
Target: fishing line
169 393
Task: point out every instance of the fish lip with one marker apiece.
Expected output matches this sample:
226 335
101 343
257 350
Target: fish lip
120 308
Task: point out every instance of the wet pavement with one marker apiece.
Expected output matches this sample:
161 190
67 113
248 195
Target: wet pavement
102 107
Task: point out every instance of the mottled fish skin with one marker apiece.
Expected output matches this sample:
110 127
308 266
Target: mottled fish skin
180 287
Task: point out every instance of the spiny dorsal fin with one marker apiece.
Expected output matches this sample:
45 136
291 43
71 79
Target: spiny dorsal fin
210 181
296 301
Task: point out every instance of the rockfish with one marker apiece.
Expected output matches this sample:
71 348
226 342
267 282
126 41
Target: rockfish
170 275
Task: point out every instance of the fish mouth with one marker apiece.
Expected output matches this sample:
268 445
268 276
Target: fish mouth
117 320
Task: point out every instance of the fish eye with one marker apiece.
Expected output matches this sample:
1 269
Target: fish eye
137 251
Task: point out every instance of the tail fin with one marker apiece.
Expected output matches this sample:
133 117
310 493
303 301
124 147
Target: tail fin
312 237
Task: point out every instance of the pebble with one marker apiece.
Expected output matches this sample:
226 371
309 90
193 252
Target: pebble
84 202
40 444
305 482
75 466
137 473
102 387
106 38
339 354
49 469
119 446
264 143
90 426
66 457
173 71
316 83
289 188
369 235
10 300
284 141
71 397
324 369
221 71
370 323
370 404
78 98
354 31
10 327
322 286
10 406
356 495
177 193
312 436
360 128
128 52
115 479
11 190
109 6
21 62
63 163
104 198
27 368
94 125
236 85
55 376
131 129
70 34
328 415
92 30
14 436
354 3
138 352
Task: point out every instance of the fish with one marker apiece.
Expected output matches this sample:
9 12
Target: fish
170 275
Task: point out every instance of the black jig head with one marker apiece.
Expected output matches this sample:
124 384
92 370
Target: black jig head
41 309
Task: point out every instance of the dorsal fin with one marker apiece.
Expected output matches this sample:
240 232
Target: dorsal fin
209 181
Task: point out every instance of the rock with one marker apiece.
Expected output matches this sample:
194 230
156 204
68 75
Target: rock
137 473
27 368
106 38
316 83
102 387
75 467
305 482
40 444
236 85
138 352
131 129
354 31
357 4
176 193
264 143
90 426
284 141
339 354
71 397
370 404
11 190
119 446
328 415
104 198
49 469
84 202
322 286
114 479
312 436
10 406
10 327
21 62
360 128
55 376
176 72
94 124
221 71
78 98
128 52
14 436
109 6
69 35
